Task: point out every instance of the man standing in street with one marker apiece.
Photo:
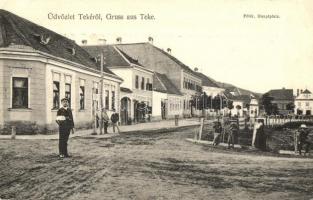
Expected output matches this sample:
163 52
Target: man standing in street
233 131
105 119
66 125
302 136
115 119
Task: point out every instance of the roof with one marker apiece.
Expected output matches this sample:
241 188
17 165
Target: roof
113 55
306 91
206 81
281 94
134 46
244 98
15 30
161 83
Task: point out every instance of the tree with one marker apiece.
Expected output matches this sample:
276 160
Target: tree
290 106
267 104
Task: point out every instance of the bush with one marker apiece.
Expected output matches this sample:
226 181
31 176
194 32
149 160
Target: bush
293 125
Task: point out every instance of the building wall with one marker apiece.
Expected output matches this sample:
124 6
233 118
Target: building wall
40 73
126 74
35 72
175 106
304 103
83 117
157 97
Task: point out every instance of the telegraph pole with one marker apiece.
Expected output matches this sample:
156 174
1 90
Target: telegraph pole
101 93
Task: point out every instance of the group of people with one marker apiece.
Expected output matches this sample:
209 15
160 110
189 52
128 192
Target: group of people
105 121
66 125
231 129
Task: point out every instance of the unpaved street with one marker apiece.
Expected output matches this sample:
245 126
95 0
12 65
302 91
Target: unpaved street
148 166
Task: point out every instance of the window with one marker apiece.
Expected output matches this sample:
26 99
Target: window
137 82
56 95
113 100
107 99
82 94
148 85
20 93
299 104
142 83
307 103
82 97
68 93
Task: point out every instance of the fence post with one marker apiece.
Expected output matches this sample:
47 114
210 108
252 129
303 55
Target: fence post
201 127
13 132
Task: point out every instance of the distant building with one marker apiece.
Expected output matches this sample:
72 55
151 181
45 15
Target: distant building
283 98
304 103
209 86
158 60
38 68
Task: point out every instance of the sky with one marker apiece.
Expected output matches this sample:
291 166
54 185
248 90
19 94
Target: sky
258 54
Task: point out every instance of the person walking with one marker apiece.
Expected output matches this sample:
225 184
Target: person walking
303 143
115 119
233 131
105 119
217 132
66 124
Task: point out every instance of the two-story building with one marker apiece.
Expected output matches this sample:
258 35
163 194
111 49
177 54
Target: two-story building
136 90
304 103
38 68
158 60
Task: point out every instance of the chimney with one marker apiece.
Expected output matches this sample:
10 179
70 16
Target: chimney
84 42
102 41
150 39
119 40
169 50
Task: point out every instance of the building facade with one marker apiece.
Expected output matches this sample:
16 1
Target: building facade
304 103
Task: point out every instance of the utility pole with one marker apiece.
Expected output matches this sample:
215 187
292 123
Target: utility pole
101 93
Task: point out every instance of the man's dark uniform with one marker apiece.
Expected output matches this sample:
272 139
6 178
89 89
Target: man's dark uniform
65 128
303 141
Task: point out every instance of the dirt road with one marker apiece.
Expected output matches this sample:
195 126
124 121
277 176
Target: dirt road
148 166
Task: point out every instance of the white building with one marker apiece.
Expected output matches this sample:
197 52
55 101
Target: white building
136 89
304 103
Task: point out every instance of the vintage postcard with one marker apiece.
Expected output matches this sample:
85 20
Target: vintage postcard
156 99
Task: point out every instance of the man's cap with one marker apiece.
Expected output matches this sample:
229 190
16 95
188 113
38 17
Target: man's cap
303 126
64 99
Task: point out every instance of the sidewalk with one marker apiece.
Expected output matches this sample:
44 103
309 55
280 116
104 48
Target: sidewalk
149 126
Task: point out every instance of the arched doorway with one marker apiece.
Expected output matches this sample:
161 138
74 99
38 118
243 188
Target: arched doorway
125 111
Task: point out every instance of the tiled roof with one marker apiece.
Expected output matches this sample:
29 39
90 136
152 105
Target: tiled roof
306 91
281 94
145 45
15 30
113 55
206 81
162 84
